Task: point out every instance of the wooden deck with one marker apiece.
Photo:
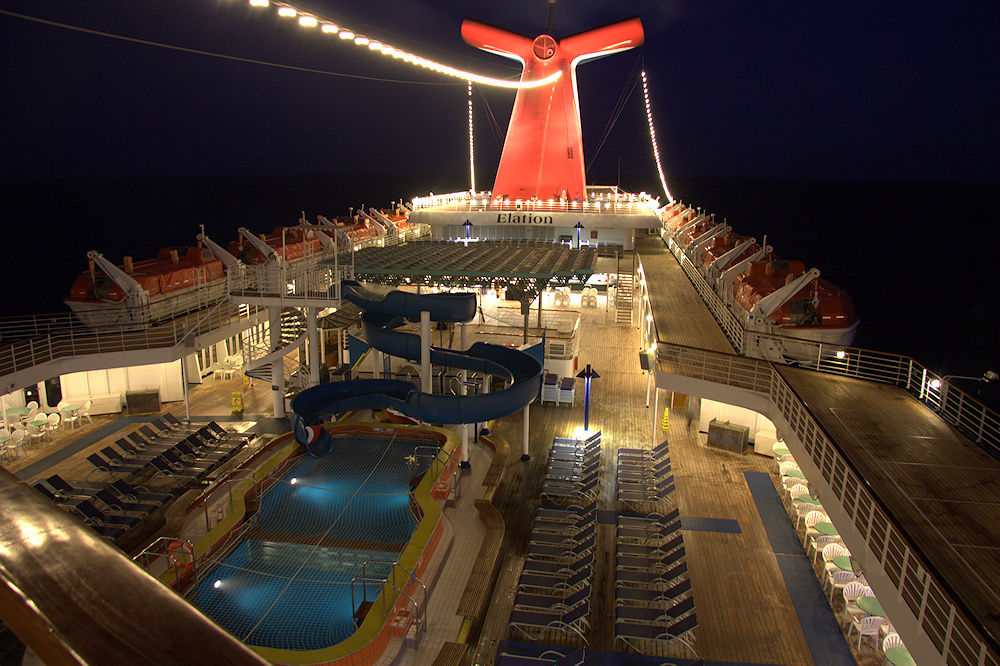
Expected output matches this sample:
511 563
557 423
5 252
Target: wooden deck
745 611
938 486
679 313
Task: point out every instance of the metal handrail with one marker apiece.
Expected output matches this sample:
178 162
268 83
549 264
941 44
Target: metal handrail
763 378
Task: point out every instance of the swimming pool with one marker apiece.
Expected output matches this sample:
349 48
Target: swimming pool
327 521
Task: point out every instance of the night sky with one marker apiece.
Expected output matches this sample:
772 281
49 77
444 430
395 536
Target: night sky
847 90
823 92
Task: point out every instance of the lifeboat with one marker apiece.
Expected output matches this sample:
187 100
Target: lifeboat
178 280
293 244
795 307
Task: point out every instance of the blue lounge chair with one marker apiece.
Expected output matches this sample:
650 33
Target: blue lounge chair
565 513
650 578
534 623
655 615
112 468
559 552
556 603
556 568
542 525
555 583
633 633
568 539
646 595
115 503
95 516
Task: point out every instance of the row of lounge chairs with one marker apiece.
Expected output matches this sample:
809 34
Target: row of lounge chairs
553 592
573 473
644 476
176 450
653 600
113 509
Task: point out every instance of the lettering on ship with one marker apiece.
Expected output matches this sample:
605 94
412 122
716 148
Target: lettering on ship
523 218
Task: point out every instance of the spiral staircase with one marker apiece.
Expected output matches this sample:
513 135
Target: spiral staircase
258 359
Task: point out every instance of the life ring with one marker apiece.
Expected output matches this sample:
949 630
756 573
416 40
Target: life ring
180 556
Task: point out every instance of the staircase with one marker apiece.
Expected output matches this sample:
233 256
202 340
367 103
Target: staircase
258 359
625 290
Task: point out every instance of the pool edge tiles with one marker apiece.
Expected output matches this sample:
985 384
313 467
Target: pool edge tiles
366 645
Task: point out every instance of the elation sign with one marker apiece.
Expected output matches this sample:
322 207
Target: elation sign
523 218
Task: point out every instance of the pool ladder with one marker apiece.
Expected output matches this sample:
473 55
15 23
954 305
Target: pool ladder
419 624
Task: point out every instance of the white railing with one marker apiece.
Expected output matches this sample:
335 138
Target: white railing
622 204
40 340
936 611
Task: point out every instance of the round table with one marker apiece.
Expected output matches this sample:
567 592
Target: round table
780 451
808 499
17 412
795 474
871 606
899 656
826 529
843 562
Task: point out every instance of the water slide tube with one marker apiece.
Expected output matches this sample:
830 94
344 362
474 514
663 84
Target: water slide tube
382 314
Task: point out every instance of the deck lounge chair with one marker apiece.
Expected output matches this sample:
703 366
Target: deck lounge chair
649 563
164 467
570 478
94 515
556 603
662 492
647 596
112 468
565 513
547 658
643 557
577 456
114 503
575 449
134 453
228 433
649 520
647 535
161 437
633 633
575 493
568 539
543 525
559 552
555 583
64 489
661 448
534 623
556 568
654 615
137 493
643 470
650 578
190 455
579 466
594 438
177 461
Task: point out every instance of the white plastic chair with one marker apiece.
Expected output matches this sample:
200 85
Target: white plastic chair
68 417
891 640
53 425
830 551
16 441
85 411
866 626
838 580
852 591
35 433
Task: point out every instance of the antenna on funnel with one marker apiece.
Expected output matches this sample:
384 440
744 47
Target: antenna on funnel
552 9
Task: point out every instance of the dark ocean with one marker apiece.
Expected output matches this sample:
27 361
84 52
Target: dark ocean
916 258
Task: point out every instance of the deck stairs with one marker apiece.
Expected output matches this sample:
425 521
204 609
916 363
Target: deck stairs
625 289
258 358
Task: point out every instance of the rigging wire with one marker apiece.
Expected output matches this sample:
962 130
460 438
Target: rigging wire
172 47
623 98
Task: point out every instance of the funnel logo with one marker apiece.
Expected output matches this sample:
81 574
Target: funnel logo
544 47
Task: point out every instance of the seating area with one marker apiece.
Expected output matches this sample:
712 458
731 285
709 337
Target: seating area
170 448
553 592
32 425
573 473
115 510
558 390
858 610
644 477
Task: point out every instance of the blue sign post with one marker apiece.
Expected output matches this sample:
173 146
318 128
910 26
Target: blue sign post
587 374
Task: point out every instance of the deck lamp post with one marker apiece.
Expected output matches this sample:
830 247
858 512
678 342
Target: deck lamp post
944 383
579 228
468 230
587 374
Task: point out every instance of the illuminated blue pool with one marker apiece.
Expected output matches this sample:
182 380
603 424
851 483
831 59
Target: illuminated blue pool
329 521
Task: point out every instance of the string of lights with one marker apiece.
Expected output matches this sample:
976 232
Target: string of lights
307 20
472 155
652 138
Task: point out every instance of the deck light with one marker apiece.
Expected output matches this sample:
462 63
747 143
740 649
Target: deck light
294 480
217 584
308 21
286 11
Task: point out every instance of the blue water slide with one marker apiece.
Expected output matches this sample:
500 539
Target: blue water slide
383 313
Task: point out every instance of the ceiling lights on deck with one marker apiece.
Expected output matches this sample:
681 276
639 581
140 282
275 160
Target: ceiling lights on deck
309 20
